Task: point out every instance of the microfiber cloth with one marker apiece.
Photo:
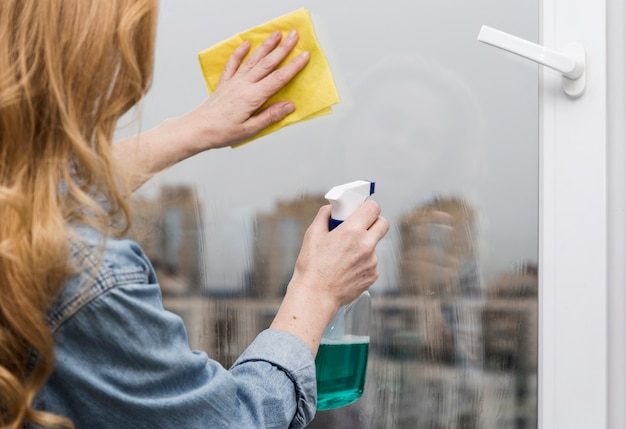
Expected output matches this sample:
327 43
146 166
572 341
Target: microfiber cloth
312 91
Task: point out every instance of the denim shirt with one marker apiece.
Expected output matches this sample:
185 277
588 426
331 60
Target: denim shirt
122 361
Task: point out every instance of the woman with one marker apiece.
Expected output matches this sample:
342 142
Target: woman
84 339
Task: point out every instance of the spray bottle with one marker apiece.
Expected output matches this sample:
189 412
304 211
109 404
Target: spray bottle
341 360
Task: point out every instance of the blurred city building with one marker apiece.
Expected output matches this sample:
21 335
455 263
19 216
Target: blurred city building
438 253
169 228
510 330
277 241
439 264
510 321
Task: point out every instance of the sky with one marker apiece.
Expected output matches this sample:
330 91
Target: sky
426 110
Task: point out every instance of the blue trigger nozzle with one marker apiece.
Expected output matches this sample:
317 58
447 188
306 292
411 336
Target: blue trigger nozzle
333 223
372 187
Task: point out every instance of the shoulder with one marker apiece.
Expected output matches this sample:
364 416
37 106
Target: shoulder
101 265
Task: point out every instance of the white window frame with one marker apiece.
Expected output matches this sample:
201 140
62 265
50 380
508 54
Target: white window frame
573 250
616 165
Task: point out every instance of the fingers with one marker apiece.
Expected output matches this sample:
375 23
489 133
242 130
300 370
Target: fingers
379 228
281 77
272 59
266 47
235 60
365 216
268 116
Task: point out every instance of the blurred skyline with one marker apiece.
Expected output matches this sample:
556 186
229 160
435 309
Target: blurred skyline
441 335
436 255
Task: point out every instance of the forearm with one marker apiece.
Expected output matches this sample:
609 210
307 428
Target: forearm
151 152
305 313
268 372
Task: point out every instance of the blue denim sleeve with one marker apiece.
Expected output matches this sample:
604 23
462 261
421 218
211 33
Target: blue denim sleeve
123 361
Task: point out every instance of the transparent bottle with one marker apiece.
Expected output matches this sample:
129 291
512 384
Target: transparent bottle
341 361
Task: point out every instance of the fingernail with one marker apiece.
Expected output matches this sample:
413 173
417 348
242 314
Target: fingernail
305 55
275 34
289 107
292 35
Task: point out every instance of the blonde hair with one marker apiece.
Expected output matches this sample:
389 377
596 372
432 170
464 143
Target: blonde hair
69 69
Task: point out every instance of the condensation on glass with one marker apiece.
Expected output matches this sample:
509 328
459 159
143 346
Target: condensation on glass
449 131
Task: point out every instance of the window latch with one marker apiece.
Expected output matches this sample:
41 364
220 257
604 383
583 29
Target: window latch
570 62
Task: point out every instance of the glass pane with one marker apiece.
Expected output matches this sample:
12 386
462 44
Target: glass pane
447 127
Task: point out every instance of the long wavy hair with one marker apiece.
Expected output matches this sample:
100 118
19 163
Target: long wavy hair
69 69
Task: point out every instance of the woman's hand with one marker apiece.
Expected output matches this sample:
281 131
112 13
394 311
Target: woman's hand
228 117
333 269
342 264
231 114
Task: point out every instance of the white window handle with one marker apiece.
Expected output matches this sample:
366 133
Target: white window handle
570 63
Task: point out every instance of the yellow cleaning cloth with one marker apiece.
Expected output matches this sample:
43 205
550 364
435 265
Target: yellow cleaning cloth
312 91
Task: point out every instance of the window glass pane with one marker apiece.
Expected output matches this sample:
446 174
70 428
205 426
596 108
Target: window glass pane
447 127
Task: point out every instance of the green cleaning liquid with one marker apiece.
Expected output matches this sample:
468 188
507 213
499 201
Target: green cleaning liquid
340 370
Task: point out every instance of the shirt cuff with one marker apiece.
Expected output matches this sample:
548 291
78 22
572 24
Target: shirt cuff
293 357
